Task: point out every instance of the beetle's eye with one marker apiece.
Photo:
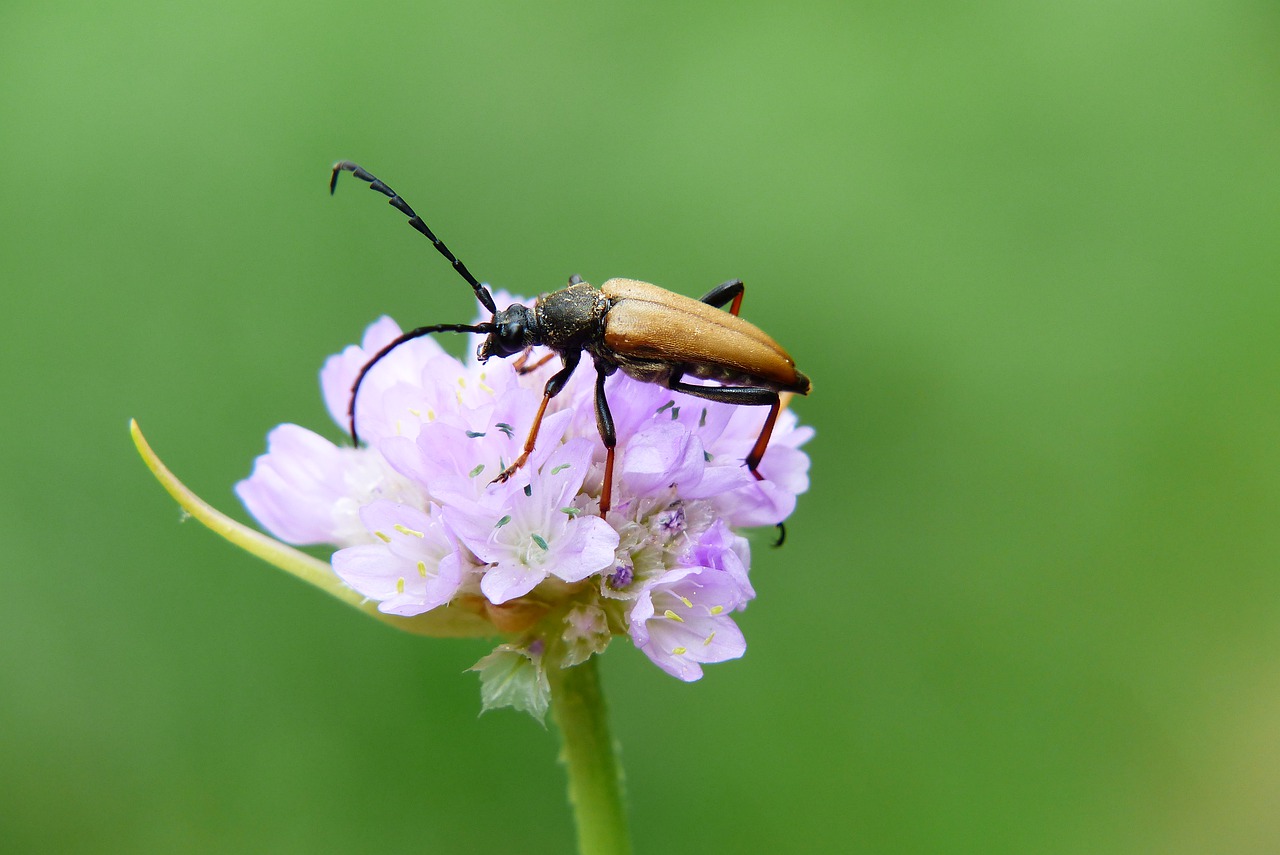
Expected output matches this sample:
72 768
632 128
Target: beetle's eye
510 331
512 334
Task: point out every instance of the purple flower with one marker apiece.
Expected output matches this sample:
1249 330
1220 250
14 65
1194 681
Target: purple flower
681 619
306 490
414 566
420 525
525 535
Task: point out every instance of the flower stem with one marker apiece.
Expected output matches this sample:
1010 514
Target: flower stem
591 758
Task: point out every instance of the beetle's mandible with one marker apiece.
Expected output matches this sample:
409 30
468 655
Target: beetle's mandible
649 333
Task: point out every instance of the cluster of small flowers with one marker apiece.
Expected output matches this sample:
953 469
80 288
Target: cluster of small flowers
419 524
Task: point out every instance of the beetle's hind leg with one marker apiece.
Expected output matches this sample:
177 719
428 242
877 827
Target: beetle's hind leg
743 396
723 293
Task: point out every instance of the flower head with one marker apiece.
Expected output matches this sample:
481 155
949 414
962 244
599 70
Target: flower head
420 525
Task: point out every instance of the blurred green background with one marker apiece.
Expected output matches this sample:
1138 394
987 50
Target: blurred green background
1027 252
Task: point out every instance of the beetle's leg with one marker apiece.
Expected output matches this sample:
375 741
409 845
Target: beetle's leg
604 423
743 396
553 387
723 293
521 366
747 396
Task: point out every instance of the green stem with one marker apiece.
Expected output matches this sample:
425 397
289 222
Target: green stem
591 758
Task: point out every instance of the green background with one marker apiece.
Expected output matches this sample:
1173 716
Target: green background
1027 252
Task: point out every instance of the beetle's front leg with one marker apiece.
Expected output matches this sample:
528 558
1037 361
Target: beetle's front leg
553 387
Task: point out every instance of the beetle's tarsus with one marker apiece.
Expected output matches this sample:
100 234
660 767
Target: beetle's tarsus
505 474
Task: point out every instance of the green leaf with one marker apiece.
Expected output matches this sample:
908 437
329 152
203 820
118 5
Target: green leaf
511 676
454 621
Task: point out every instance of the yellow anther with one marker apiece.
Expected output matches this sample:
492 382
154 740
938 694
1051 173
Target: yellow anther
400 585
672 615
715 610
404 529
462 381
431 415
686 601
708 639
680 651
485 387
381 536
417 414
422 571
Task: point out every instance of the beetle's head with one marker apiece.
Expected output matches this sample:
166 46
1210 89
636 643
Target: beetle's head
513 330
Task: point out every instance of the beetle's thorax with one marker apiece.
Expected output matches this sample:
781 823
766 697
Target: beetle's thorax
570 319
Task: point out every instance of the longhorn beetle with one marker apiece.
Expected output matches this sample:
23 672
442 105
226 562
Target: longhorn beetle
650 333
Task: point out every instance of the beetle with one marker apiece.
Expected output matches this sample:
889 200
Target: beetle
651 334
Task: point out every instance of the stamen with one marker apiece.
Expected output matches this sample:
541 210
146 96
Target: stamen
672 519
680 651
505 519
621 577
672 616
477 470
715 610
541 544
688 603
381 536
708 640
422 571
404 529
400 585
560 467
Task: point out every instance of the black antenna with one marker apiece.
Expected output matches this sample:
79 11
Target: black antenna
482 293
409 336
